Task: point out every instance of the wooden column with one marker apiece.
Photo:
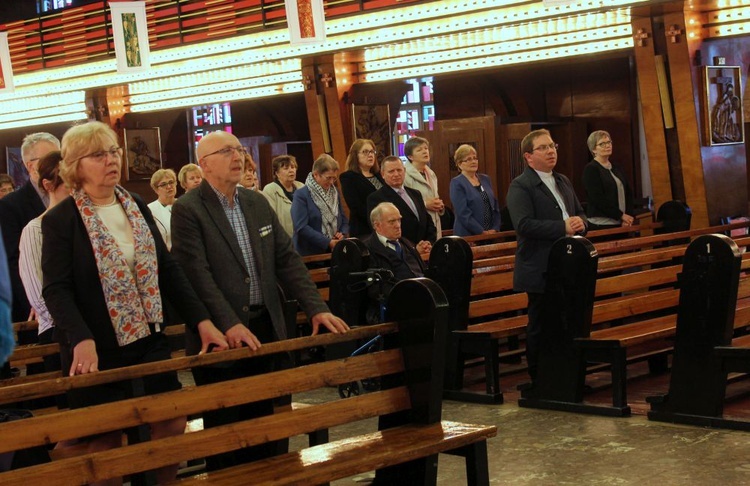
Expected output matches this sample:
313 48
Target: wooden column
651 107
333 111
686 117
324 110
316 116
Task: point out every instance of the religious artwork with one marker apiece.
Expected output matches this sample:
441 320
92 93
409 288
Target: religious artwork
723 118
130 36
373 122
130 31
142 152
306 21
16 169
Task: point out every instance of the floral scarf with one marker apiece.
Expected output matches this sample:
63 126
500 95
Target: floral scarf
327 202
132 300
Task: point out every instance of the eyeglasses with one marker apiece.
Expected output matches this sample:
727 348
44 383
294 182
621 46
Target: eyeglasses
604 144
165 184
227 152
329 178
471 158
100 156
6 190
546 148
369 152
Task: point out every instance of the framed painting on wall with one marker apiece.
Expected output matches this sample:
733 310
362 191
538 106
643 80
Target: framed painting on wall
723 118
373 122
142 152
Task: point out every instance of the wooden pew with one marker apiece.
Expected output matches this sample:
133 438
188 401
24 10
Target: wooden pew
409 406
496 318
619 345
713 305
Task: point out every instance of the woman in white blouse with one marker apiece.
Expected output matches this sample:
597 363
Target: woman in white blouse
30 248
164 184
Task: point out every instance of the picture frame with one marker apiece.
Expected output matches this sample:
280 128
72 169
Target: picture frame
723 114
142 147
130 36
373 122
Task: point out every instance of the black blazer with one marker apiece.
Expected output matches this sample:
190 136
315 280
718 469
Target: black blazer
16 210
356 188
538 221
412 229
72 289
601 191
382 257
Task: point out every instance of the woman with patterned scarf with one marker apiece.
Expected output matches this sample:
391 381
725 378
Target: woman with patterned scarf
319 222
106 278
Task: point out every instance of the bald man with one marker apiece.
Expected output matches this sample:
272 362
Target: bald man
230 242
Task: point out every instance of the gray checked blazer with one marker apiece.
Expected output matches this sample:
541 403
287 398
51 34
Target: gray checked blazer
205 244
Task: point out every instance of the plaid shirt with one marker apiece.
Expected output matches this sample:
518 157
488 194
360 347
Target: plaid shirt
239 226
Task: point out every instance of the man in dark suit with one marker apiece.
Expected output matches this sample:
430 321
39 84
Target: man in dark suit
389 251
20 207
543 207
230 242
416 223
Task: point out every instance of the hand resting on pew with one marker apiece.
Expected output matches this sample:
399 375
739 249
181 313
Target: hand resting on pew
333 323
211 338
239 334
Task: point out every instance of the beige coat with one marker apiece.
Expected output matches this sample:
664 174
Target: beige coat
428 187
280 204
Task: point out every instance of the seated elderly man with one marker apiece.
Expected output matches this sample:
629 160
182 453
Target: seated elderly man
389 251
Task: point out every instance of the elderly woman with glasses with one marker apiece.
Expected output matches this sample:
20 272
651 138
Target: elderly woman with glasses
164 184
361 179
107 278
474 201
319 222
609 198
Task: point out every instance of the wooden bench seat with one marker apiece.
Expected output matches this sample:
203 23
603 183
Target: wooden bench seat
346 457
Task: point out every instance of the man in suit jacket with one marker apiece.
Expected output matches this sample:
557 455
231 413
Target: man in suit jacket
20 207
230 242
543 207
389 251
416 223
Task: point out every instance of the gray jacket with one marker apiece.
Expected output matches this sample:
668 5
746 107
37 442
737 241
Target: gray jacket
206 246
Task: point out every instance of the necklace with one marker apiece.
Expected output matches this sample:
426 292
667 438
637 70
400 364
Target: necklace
106 205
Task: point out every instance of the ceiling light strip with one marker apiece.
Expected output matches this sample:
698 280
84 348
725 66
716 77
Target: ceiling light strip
499 60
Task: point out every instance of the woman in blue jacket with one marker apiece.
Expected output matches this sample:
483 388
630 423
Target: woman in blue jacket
318 219
474 203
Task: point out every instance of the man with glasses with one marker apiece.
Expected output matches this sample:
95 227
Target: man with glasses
230 242
543 207
417 224
20 207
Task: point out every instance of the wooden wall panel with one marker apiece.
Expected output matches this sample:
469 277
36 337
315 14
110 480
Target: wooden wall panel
725 166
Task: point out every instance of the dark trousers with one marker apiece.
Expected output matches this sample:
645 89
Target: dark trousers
534 331
263 330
